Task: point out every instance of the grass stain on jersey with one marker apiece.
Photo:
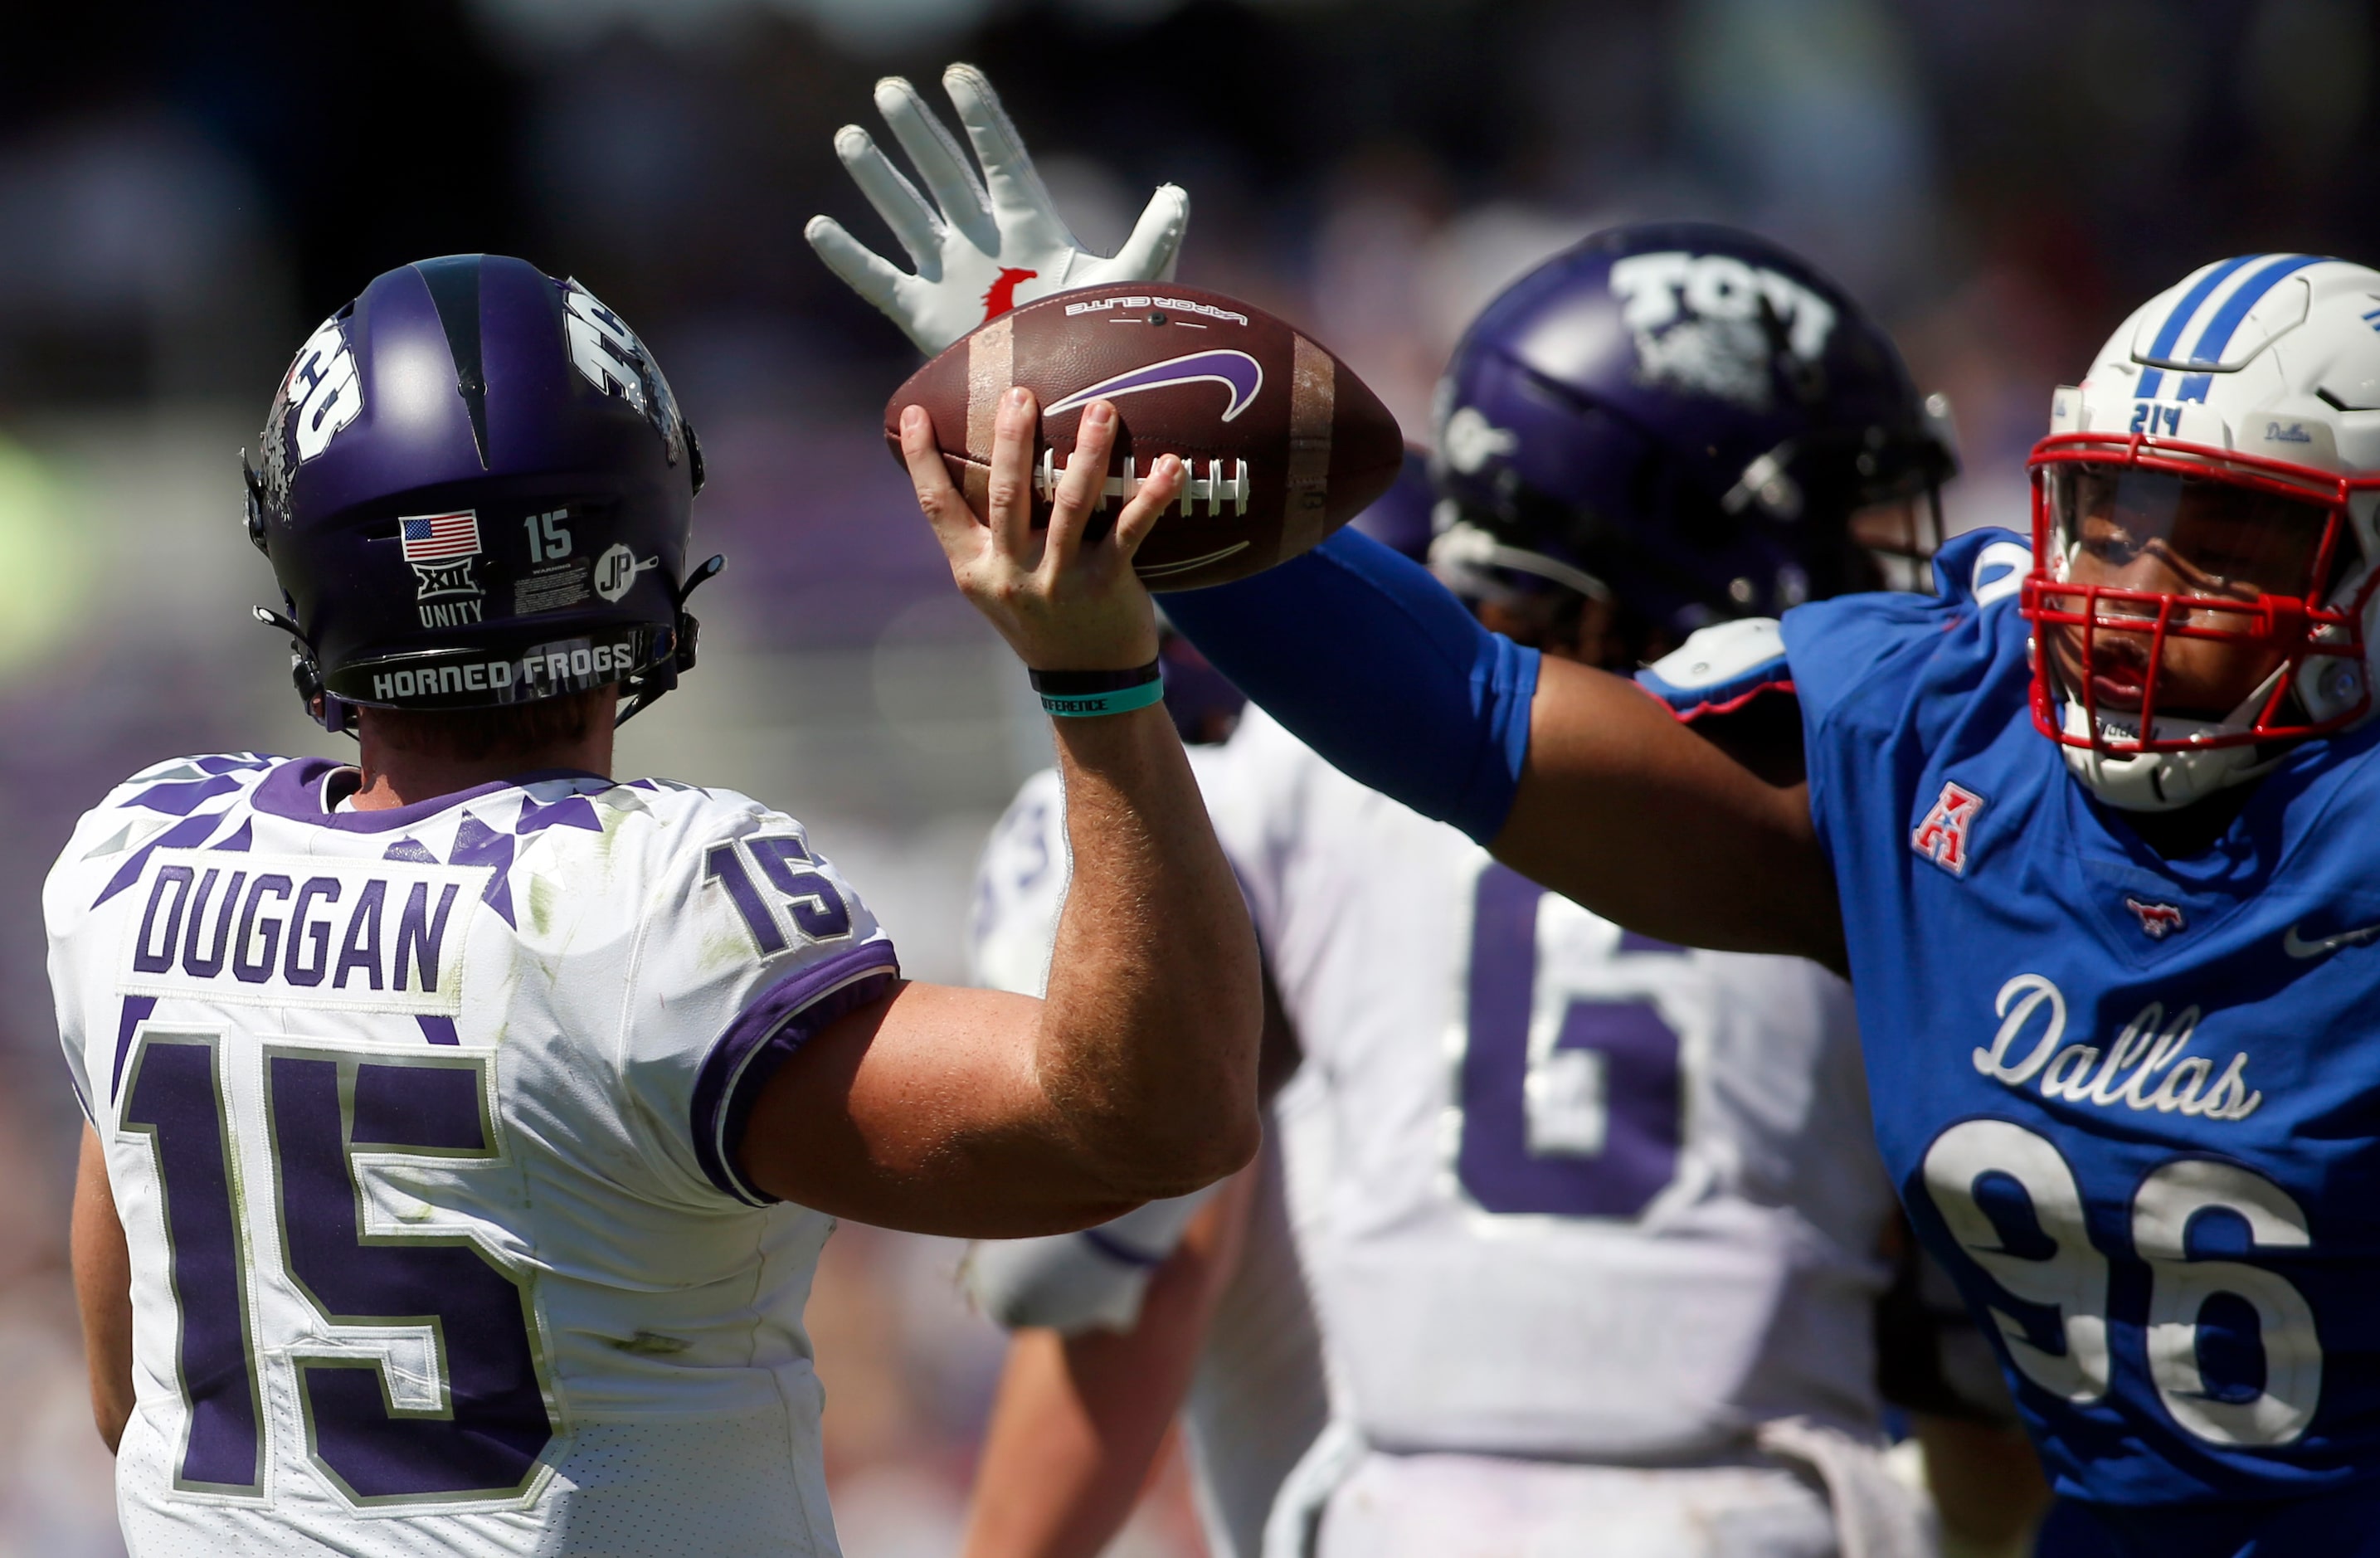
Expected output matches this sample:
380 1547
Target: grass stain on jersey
649 1343
544 901
729 947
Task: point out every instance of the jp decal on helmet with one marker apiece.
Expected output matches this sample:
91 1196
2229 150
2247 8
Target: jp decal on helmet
476 490
2203 532
1686 419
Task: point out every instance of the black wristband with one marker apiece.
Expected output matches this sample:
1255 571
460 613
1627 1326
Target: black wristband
1078 684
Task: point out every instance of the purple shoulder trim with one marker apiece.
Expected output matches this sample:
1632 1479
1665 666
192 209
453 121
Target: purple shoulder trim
762 1037
294 790
188 834
570 812
183 797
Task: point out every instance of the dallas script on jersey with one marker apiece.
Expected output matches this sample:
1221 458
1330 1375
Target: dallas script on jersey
302 930
2150 1047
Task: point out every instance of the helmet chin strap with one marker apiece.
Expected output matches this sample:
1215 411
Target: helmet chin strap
639 693
335 714
2168 781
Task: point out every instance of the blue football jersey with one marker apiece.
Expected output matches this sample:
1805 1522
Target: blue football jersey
2133 1103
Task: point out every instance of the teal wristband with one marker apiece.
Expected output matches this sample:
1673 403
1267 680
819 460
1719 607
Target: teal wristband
1088 705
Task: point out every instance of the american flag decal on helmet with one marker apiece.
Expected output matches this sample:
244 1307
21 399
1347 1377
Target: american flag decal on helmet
429 537
1942 837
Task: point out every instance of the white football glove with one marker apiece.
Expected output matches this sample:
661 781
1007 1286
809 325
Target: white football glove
995 241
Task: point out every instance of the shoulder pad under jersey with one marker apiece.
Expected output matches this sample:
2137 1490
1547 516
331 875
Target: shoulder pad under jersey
1721 669
1983 567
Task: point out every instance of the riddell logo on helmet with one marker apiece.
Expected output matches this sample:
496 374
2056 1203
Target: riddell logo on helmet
1470 441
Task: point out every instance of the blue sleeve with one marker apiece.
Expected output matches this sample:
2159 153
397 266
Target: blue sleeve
1369 661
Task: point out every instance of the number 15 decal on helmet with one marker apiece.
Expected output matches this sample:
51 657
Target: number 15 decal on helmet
476 490
2204 531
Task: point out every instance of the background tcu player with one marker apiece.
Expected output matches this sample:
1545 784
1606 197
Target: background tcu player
2089 831
1593 1225
463 1124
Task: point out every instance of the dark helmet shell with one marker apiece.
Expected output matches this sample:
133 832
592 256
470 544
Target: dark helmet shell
475 489
1687 413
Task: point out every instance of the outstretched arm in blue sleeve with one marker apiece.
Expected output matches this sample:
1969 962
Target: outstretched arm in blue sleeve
1572 776
1371 662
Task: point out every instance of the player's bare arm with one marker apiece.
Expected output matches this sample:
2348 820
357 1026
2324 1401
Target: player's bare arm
102 1279
1632 815
969 1112
1080 1418
1985 1481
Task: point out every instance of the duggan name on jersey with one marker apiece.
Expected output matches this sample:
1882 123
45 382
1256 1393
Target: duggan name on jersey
302 931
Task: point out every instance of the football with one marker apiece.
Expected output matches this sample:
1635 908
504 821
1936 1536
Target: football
1284 443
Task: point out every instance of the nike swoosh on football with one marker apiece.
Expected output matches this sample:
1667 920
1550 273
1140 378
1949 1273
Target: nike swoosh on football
2298 946
1239 373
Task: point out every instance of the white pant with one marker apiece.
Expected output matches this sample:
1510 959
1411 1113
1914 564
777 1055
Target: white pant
1484 1506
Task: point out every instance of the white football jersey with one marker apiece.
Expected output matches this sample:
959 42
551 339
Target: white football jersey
1258 1397
420 1124
1590 1197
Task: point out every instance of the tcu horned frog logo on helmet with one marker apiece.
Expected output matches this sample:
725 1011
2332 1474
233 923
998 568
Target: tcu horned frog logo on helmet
607 351
1705 323
319 396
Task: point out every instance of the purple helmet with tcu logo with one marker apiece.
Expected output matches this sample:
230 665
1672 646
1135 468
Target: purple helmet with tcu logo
476 490
1683 419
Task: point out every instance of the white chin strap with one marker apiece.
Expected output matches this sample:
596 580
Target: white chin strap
2170 780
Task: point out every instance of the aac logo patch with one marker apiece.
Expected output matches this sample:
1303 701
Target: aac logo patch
1942 836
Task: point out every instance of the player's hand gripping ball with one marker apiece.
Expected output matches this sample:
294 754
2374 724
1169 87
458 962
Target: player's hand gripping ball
1282 443
1063 598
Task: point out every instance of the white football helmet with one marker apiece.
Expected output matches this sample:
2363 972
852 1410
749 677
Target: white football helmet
2247 396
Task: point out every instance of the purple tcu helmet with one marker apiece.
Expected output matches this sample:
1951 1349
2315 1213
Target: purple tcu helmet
476 490
1400 517
1683 419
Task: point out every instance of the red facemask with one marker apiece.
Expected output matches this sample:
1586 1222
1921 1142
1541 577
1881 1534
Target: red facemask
2187 584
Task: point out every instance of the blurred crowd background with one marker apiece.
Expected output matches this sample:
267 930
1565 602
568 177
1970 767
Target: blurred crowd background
188 186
